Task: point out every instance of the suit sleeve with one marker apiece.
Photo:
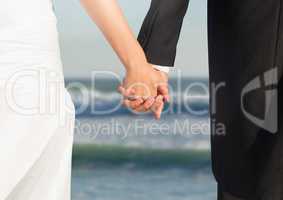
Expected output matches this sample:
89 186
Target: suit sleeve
161 29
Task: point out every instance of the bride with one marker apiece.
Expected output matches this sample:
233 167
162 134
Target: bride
37 114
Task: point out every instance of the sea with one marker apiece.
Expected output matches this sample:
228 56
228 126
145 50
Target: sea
122 155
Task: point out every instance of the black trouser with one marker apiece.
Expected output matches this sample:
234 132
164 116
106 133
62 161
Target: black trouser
245 67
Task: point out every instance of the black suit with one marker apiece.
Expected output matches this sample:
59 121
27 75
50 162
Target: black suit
245 46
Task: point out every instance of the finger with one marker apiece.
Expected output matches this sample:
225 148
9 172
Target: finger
123 91
127 93
140 109
148 103
158 106
126 103
164 91
133 104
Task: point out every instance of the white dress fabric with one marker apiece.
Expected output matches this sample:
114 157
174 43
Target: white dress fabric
36 111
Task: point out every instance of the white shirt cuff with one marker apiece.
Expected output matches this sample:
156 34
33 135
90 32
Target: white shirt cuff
162 68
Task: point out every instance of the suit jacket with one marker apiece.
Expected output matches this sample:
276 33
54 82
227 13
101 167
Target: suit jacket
161 30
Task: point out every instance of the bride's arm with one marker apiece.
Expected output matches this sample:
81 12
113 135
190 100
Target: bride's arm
110 19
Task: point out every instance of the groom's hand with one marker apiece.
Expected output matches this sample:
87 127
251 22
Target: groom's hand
144 89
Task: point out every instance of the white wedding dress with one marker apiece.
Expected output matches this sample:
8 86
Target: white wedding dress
36 111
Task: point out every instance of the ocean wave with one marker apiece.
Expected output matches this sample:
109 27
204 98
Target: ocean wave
112 155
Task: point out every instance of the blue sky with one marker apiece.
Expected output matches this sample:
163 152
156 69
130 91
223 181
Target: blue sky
84 49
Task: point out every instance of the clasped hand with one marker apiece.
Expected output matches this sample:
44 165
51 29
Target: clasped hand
145 89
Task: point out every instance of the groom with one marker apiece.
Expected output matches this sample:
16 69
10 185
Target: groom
246 63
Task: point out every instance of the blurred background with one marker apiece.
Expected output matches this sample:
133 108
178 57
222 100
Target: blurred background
119 155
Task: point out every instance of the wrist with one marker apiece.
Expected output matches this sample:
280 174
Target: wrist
136 59
135 65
